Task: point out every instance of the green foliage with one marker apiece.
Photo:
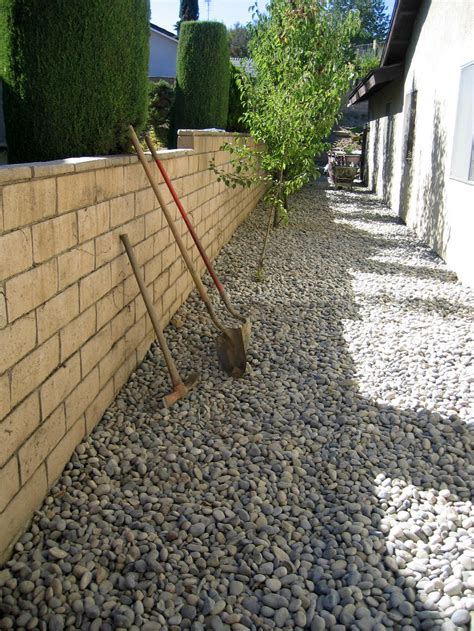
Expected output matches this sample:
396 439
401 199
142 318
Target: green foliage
236 107
239 36
188 10
161 99
4 36
292 98
364 64
374 21
75 76
202 76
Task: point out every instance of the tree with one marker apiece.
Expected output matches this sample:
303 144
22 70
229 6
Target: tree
239 37
202 77
374 21
292 96
188 11
72 81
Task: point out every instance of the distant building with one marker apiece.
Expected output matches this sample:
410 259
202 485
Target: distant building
163 51
421 130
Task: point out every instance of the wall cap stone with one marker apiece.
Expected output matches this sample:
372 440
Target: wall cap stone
11 173
14 173
209 132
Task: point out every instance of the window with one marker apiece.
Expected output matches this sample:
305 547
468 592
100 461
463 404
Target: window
462 163
410 114
389 127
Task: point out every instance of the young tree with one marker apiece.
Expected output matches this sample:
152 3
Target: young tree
374 21
239 37
291 96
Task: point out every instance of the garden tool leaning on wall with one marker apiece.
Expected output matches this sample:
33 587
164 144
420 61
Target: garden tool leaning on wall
180 387
246 326
231 349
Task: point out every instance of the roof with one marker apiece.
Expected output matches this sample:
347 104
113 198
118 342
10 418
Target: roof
163 31
392 62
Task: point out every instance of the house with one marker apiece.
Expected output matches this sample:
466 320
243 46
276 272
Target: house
163 50
421 124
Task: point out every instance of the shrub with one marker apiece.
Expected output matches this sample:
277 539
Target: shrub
365 64
236 108
75 76
202 76
160 102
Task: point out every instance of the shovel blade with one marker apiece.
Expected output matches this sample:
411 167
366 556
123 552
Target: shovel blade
232 349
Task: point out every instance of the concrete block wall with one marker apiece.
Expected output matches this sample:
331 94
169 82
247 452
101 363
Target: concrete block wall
72 323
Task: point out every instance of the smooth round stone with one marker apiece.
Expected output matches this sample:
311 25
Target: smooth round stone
275 601
281 617
365 624
273 584
218 515
453 587
236 588
407 609
318 623
56 623
188 612
26 587
300 618
461 616
251 604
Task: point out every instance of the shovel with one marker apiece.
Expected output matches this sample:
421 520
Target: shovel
230 343
180 387
246 326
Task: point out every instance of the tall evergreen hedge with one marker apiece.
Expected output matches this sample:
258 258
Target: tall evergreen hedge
202 76
236 108
75 75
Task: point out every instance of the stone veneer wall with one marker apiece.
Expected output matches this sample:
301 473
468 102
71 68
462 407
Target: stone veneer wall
72 323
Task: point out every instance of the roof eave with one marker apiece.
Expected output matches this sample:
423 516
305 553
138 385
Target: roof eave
374 81
164 32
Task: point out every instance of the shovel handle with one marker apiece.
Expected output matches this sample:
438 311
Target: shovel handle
196 278
173 371
184 215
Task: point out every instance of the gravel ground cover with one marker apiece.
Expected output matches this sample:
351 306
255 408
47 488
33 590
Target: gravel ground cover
330 488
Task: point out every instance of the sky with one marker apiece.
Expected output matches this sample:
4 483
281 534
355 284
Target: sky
165 13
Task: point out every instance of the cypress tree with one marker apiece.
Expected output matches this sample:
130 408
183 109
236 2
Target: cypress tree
75 76
202 76
188 10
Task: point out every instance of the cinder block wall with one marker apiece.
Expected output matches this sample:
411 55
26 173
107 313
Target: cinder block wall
72 323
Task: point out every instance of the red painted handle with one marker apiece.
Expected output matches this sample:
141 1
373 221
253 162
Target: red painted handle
205 258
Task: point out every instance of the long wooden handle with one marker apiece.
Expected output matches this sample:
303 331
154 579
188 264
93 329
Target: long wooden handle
184 215
174 374
196 278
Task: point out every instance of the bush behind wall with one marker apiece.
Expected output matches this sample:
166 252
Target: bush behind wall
202 76
75 76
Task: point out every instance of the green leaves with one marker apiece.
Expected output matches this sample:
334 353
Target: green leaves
292 96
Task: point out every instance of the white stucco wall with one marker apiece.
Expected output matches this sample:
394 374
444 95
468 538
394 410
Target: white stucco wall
439 208
162 56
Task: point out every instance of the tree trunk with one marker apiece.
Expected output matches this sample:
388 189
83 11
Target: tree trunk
265 241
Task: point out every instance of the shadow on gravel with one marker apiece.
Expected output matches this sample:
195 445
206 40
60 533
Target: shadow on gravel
383 479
